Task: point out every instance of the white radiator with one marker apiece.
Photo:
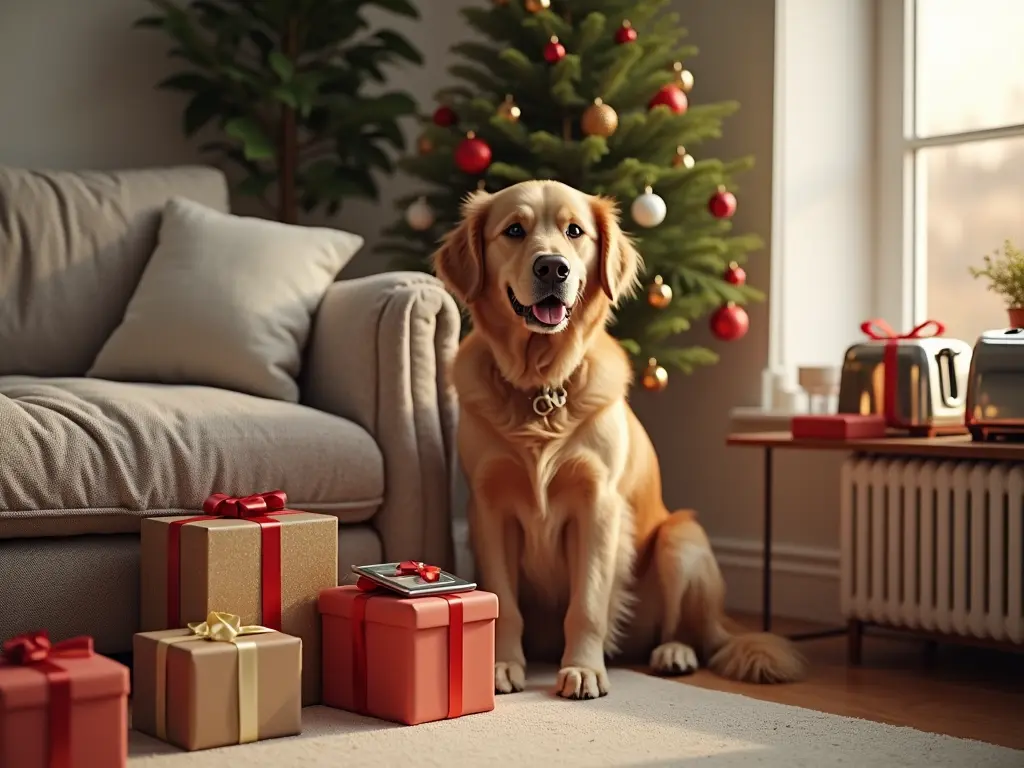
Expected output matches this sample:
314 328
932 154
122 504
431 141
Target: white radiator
934 546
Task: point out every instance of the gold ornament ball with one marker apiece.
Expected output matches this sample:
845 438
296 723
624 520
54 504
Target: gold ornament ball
425 145
599 119
508 110
655 377
683 158
685 77
535 6
659 295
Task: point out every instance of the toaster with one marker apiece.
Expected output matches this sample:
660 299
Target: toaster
930 382
995 390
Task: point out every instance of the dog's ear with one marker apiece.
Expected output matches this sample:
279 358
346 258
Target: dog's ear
620 262
459 262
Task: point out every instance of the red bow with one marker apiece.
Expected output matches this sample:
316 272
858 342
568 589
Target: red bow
426 572
35 647
880 330
257 505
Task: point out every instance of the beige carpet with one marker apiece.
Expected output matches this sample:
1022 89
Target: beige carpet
644 722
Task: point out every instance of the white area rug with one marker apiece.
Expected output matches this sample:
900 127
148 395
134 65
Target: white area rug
644 722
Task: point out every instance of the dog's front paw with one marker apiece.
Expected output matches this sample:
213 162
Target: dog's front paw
509 677
582 683
674 659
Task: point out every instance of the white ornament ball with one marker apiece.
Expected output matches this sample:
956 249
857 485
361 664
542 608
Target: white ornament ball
649 209
419 215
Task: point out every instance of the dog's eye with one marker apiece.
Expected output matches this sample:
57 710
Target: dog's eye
514 230
573 231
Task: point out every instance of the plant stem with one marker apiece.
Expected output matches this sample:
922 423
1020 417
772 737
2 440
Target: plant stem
289 142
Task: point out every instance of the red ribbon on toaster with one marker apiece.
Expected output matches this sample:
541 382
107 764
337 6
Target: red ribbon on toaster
34 650
256 508
879 330
456 655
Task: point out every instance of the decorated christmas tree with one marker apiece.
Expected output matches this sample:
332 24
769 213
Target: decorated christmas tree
596 94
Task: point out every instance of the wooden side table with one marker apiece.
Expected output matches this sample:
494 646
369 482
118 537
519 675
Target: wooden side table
954 447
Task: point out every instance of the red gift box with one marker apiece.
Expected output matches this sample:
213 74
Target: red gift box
879 330
838 426
409 660
61 705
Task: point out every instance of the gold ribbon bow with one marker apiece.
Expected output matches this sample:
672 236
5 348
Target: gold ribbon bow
221 628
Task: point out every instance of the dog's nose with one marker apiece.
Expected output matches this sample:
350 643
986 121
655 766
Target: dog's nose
551 268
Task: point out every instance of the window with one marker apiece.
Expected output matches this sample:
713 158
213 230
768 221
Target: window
951 152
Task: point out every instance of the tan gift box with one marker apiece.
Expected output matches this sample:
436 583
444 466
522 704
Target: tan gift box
217 683
251 564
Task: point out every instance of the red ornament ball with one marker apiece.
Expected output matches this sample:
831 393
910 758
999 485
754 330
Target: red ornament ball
625 34
735 274
730 323
673 97
473 155
722 204
554 51
445 117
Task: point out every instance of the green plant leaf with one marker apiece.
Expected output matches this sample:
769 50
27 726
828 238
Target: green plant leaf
286 96
201 109
510 173
399 45
664 327
255 143
283 67
630 346
400 7
254 186
186 81
149 22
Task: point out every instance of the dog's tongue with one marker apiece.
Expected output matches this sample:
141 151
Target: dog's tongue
549 314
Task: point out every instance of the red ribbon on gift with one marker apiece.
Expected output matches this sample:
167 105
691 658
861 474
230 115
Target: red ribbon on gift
35 651
879 330
426 572
456 629
254 509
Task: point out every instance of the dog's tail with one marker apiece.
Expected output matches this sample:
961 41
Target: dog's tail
687 562
755 657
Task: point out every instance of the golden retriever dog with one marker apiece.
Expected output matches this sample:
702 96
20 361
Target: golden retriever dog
567 522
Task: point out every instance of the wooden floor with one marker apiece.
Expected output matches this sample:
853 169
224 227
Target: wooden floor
966 692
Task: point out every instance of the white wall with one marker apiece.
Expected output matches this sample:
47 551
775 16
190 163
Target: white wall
77 87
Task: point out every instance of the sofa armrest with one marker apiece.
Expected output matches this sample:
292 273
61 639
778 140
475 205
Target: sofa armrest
379 356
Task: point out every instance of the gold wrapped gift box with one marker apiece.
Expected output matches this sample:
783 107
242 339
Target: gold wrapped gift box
220 564
217 683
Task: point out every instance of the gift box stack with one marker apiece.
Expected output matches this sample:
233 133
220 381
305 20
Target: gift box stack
243 624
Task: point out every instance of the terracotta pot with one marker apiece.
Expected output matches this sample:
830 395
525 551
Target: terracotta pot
1016 317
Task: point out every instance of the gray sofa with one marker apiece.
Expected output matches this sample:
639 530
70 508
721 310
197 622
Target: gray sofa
84 460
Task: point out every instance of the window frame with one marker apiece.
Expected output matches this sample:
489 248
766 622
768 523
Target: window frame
901 283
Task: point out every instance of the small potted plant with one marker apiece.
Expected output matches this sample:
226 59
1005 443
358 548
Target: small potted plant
1005 274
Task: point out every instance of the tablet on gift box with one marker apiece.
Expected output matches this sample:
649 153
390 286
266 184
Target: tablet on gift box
413 579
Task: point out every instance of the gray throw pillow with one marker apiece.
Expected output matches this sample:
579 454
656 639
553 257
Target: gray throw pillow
225 301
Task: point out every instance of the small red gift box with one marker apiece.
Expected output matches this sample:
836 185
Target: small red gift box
409 660
61 705
838 426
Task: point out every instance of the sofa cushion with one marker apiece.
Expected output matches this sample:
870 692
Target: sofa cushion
225 301
91 456
72 249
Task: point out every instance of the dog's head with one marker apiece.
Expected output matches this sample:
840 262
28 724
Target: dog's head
536 255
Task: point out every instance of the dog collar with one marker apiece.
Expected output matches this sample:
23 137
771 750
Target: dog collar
549 399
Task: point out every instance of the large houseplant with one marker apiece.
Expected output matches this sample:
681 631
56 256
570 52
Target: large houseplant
283 81
1005 274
